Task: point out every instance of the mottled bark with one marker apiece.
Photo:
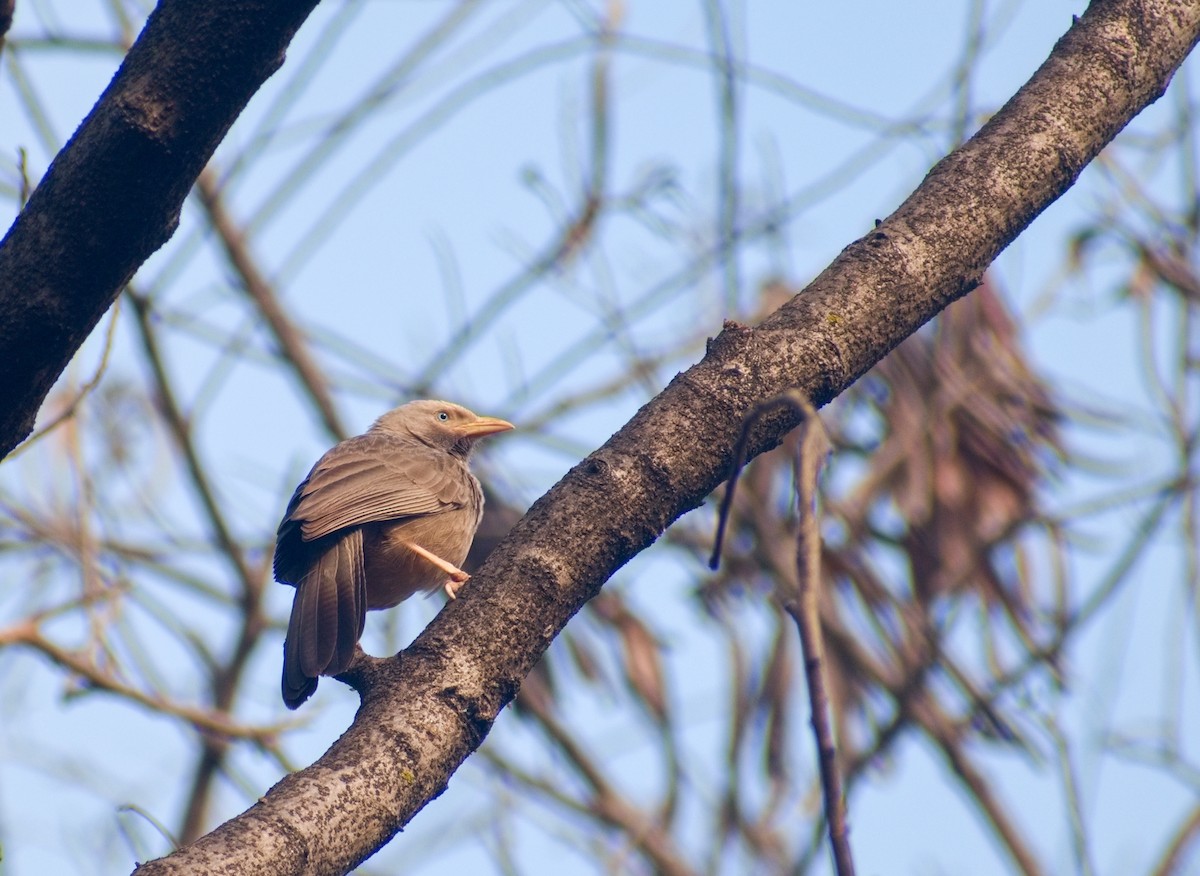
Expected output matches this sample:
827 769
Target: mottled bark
112 196
426 710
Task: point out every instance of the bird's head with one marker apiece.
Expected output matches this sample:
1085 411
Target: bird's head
440 424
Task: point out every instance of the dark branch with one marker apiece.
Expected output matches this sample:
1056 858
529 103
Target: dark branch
112 196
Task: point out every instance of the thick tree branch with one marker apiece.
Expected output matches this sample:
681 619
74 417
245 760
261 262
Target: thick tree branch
112 196
6 17
426 710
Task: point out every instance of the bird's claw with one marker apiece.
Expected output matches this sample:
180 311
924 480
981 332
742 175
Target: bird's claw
455 584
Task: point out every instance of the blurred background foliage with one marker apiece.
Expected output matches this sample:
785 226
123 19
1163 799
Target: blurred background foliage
541 209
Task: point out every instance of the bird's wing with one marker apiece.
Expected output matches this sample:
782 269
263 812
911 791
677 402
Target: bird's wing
374 478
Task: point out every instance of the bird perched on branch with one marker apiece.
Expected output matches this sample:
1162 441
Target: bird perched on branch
380 516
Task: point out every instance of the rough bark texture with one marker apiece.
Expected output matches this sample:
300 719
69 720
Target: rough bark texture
426 710
112 196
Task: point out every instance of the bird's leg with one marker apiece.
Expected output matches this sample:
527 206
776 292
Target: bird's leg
457 576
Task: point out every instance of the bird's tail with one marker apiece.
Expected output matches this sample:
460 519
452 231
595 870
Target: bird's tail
328 614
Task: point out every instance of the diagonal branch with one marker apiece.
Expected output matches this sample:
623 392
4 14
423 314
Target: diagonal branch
112 196
293 347
424 712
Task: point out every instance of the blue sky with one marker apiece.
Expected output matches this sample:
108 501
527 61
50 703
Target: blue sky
455 208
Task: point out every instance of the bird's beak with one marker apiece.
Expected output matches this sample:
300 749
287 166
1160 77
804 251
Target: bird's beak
481 426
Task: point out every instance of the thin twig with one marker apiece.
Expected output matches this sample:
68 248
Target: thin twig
224 678
725 67
207 722
1073 799
1174 857
739 462
608 805
804 608
803 605
942 732
293 347
84 391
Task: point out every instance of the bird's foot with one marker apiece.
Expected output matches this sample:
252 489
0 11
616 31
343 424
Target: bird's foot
455 584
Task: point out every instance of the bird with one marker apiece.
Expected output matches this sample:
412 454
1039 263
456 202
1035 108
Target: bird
380 517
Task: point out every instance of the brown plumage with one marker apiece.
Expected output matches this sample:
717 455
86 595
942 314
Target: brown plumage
379 517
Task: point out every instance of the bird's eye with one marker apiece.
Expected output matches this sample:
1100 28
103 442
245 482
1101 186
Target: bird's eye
443 416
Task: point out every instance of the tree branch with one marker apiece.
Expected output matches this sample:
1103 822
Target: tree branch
6 17
426 710
112 196
293 346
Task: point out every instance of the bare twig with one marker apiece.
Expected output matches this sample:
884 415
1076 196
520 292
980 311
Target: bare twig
1185 837
725 66
84 391
224 678
608 805
803 604
208 722
568 242
804 608
292 345
735 471
949 738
